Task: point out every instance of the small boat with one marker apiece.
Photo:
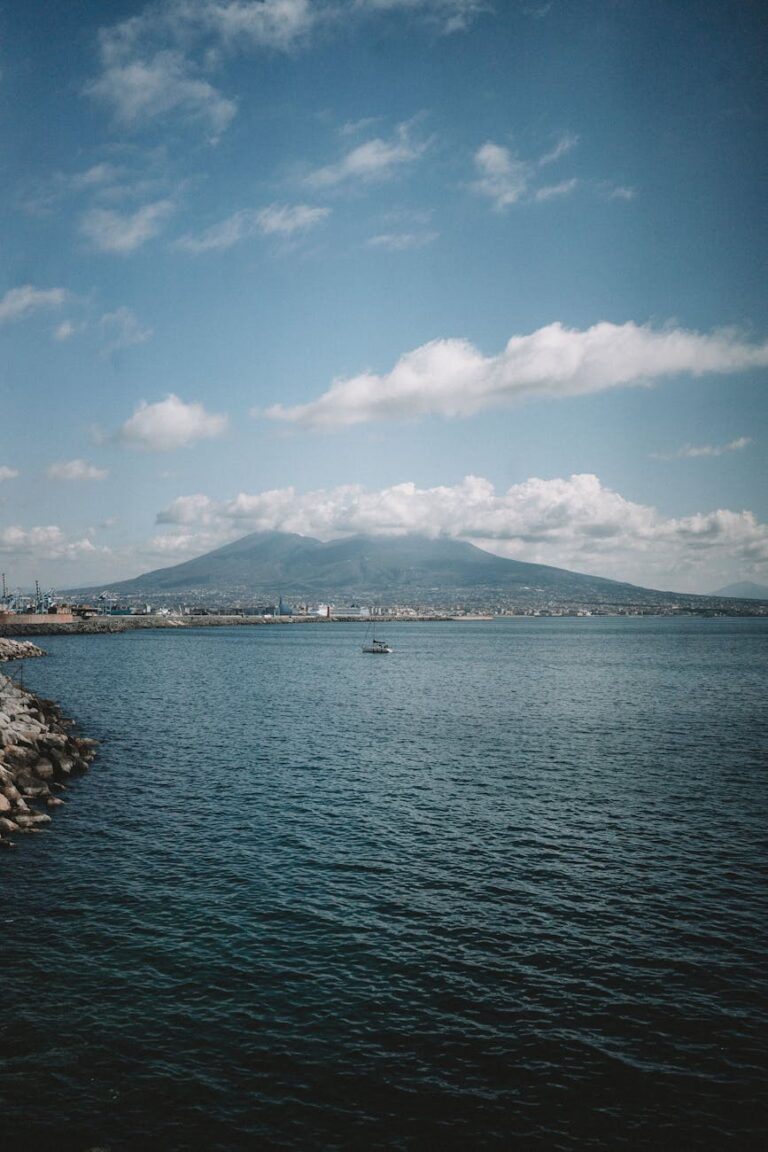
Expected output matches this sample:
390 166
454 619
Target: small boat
377 647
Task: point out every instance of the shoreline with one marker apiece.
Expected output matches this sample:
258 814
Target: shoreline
38 752
49 626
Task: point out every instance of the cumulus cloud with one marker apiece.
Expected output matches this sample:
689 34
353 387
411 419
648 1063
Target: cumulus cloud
574 522
453 378
76 470
692 451
373 160
7 473
122 329
275 220
122 233
44 542
170 424
18 303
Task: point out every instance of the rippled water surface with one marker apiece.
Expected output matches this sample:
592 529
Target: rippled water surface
504 888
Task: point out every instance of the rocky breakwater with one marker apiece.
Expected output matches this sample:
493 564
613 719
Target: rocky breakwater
38 752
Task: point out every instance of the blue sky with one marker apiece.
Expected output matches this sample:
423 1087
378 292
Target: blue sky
490 270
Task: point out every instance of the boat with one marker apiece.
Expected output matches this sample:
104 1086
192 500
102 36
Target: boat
373 646
377 647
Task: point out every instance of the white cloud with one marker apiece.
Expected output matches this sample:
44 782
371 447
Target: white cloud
373 160
122 329
64 331
572 522
142 89
692 451
278 24
111 231
451 15
564 145
76 470
285 219
402 241
225 234
44 542
275 220
7 473
621 192
160 62
452 378
551 191
94 177
502 177
171 424
18 303
505 179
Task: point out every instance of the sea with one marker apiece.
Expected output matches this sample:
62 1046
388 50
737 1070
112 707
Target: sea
504 888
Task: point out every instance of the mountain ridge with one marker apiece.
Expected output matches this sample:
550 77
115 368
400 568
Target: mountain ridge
278 563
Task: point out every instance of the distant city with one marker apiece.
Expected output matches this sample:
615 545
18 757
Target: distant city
49 607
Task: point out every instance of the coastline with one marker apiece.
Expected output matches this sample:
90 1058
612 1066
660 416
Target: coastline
49 626
38 752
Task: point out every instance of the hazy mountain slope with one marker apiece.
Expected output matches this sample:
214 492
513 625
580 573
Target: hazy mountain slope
273 563
745 590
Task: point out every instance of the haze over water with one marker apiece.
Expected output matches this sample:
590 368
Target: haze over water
502 889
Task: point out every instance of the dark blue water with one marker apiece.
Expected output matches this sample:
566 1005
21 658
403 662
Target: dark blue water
504 888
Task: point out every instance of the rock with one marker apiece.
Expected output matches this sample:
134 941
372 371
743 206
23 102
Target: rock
33 820
55 743
43 769
38 792
36 748
20 757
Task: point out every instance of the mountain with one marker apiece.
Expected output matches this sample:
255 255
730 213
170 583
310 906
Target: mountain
744 590
270 564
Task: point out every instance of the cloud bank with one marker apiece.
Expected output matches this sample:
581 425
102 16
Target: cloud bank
44 542
574 522
452 378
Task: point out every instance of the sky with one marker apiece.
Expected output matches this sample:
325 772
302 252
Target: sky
488 270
